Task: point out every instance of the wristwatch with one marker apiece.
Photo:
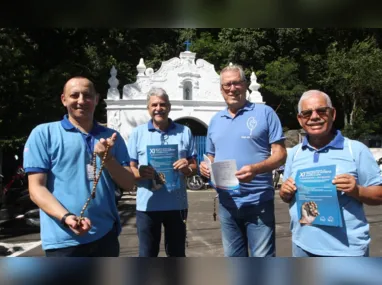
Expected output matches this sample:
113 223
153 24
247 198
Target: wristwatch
62 221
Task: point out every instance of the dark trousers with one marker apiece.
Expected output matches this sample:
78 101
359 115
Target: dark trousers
107 246
149 226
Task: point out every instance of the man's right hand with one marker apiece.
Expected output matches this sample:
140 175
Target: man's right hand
79 229
146 172
203 168
287 190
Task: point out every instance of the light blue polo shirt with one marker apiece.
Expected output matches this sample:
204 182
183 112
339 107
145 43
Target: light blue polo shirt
351 157
146 134
63 151
247 138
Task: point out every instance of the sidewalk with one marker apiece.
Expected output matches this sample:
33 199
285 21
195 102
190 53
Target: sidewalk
204 239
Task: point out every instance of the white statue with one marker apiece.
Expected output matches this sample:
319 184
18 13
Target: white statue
255 95
113 92
254 85
141 67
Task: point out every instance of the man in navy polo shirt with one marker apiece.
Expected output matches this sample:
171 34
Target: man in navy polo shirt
161 203
358 180
252 135
58 158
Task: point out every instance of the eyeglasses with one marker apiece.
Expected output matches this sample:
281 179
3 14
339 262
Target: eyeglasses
321 111
227 86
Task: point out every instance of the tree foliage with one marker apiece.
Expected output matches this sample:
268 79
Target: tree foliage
355 76
345 63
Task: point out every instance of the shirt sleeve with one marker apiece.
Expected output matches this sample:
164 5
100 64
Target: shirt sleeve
121 153
191 152
132 146
289 162
36 151
369 173
210 147
274 125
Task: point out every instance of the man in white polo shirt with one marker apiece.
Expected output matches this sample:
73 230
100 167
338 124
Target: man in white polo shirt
252 135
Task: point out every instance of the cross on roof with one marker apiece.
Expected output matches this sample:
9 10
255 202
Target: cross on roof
187 43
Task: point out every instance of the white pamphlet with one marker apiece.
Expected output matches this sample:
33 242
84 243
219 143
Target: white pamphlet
222 174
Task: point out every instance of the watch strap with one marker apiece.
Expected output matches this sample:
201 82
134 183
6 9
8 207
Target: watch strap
62 221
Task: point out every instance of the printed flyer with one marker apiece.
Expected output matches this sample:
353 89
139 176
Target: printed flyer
162 158
316 197
223 174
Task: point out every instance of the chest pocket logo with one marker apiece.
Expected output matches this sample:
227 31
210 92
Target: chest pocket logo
251 124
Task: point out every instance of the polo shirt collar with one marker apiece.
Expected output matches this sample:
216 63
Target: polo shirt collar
151 128
247 107
336 142
67 125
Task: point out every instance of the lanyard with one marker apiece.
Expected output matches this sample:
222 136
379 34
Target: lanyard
89 141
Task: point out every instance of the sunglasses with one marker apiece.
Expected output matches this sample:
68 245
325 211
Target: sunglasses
227 86
320 111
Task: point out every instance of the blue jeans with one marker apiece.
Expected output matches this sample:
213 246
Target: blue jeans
251 226
107 246
149 226
299 252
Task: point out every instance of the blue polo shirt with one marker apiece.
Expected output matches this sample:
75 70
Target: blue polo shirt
351 157
63 151
247 138
146 134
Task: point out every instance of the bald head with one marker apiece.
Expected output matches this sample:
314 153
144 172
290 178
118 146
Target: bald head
314 93
74 80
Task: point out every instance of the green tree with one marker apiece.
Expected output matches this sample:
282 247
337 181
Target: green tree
281 79
355 75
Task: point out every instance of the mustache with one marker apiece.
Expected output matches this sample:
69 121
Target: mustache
316 123
159 113
236 93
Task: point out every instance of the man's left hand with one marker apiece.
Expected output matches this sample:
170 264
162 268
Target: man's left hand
346 183
100 147
246 173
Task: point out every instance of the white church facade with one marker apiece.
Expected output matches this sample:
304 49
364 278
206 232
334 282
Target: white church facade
193 87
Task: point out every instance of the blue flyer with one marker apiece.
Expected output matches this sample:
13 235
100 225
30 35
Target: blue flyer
162 158
316 197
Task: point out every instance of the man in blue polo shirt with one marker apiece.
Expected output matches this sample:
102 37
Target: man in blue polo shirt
252 135
160 199
59 159
358 181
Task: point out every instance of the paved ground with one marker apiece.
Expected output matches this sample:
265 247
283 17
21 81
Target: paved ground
203 233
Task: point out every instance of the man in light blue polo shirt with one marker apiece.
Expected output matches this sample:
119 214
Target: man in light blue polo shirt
161 199
252 135
59 159
358 181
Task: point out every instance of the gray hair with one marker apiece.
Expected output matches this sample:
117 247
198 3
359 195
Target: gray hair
233 67
157 91
310 93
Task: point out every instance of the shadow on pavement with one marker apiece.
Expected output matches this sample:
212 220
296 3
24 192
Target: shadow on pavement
17 227
126 213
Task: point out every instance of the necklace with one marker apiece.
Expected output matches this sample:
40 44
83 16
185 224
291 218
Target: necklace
95 182
183 216
214 213
183 213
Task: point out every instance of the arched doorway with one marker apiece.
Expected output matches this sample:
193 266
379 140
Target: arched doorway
197 128
199 131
